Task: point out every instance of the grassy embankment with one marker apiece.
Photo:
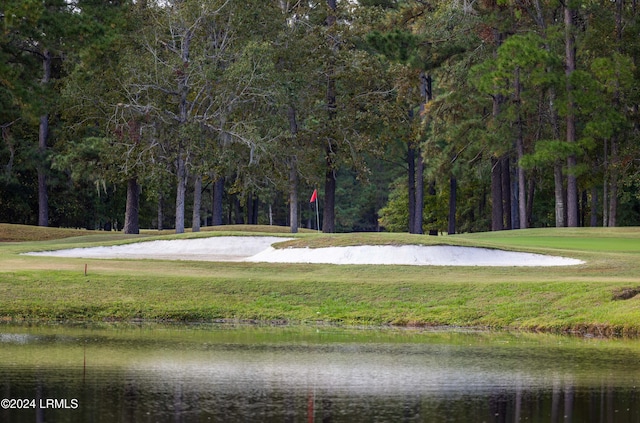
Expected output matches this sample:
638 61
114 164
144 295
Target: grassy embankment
585 298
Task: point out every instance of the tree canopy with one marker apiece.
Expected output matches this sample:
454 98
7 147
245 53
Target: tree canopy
405 115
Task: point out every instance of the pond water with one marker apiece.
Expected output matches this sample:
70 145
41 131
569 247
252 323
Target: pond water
235 373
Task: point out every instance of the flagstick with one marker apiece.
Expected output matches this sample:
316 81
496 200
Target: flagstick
317 216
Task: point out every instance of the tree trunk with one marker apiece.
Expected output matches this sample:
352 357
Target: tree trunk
270 215
249 208
293 175
613 199
293 197
131 225
328 217
197 202
419 208
522 199
183 92
515 199
570 63
253 206
180 194
497 206
426 94
239 214
160 212
482 204
594 207
572 194
584 202
256 209
497 218
218 191
453 188
605 189
613 184
559 193
558 177
432 192
43 197
532 190
506 191
43 136
411 185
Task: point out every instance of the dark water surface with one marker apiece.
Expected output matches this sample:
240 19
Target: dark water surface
227 373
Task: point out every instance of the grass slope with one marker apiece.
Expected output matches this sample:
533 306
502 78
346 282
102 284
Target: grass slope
598 297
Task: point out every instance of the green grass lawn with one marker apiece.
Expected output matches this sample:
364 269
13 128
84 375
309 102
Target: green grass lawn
575 298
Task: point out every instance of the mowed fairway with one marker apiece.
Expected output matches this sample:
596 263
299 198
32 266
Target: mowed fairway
597 297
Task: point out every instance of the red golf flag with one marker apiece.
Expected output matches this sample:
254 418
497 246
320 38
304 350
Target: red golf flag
314 196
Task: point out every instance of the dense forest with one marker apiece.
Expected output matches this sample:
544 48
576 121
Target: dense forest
405 115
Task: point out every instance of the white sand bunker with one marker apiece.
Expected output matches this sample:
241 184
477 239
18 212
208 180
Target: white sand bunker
418 255
259 249
223 248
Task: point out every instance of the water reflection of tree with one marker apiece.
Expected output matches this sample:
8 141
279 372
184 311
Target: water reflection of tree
499 403
411 408
131 398
127 398
39 396
564 403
